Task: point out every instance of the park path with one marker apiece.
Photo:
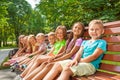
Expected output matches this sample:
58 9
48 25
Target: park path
5 74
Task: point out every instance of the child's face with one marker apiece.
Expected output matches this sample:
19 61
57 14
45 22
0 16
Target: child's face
77 30
59 34
22 40
95 31
40 39
32 40
51 39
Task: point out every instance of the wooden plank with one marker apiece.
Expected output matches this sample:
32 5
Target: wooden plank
102 77
112 24
112 39
112 57
109 67
113 47
104 73
92 77
115 30
116 77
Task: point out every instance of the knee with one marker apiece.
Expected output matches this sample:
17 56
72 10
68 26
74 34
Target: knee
57 64
66 69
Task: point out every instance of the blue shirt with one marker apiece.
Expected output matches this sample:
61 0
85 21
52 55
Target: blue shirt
89 49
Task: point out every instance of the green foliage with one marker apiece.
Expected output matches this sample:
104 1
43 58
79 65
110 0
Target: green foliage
2 67
17 16
67 12
19 12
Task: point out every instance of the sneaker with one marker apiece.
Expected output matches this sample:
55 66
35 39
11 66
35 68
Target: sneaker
18 77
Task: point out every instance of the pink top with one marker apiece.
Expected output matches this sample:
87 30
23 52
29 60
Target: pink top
77 43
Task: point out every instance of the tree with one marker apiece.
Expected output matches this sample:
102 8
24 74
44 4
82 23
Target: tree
67 12
19 12
3 20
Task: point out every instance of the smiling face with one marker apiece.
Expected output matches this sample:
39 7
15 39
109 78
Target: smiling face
51 39
77 29
40 39
32 40
95 30
59 34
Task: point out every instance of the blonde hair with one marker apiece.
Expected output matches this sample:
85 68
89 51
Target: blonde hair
21 45
96 22
30 37
40 34
51 34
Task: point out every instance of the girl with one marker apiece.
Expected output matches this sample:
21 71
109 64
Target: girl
58 47
74 43
87 58
21 46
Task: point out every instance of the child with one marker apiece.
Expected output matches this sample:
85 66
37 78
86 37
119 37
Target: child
51 39
21 47
58 47
87 58
73 46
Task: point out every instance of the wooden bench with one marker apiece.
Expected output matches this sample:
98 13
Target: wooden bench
110 64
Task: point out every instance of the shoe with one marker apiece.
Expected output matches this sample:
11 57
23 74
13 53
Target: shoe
18 77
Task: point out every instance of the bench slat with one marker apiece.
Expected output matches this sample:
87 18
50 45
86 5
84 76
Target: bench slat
112 39
103 73
113 47
115 30
112 57
109 67
102 77
112 24
92 78
116 77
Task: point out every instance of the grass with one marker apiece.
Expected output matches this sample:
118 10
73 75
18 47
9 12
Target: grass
2 67
8 47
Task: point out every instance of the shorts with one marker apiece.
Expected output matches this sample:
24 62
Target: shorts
81 69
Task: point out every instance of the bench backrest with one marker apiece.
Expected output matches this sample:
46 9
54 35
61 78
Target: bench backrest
111 59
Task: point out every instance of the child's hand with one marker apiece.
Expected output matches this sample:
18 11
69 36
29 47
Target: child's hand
75 62
51 59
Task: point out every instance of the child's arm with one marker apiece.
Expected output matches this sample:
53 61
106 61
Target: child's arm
40 50
68 55
94 56
59 54
77 57
51 51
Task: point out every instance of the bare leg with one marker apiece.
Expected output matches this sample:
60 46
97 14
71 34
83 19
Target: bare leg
26 70
24 61
42 73
36 71
56 69
36 64
66 73
28 67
